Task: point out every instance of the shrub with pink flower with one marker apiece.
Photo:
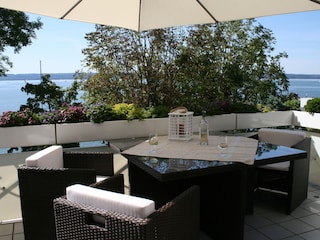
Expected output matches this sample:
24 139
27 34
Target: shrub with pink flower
66 114
19 118
72 113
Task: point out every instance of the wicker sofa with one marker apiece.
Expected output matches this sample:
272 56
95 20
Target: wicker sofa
178 219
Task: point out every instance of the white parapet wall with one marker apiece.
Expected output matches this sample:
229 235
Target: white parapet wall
315 148
306 119
259 120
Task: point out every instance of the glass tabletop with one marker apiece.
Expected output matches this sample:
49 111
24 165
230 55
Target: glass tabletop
167 165
265 153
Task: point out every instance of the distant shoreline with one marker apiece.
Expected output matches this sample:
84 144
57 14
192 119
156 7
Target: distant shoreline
303 76
57 76
36 76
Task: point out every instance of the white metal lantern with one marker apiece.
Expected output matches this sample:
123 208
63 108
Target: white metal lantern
180 125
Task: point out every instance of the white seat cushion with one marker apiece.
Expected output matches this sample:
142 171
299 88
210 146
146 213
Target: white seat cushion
282 166
50 157
282 137
111 201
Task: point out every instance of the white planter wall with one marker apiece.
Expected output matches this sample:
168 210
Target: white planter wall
315 148
259 120
79 132
27 136
82 132
222 122
308 120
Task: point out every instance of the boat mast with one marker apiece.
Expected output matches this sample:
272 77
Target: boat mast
40 70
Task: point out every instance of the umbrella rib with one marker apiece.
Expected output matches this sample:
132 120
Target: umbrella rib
207 11
76 4
315 1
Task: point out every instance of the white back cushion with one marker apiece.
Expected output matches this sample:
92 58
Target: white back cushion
50 157
281 136
281 166
111 201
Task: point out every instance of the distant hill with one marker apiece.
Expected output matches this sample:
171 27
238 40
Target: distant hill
54 76
303 76
36 76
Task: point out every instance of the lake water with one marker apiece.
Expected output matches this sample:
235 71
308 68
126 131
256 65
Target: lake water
305 87
11 96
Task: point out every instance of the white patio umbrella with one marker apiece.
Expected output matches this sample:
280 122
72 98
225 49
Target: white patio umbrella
140 15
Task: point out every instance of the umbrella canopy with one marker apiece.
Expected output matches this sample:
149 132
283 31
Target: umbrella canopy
140 15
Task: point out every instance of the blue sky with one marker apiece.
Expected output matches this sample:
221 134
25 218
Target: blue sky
59 43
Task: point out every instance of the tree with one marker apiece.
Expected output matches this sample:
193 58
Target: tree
231 61
132 67
48 95
313 105
16 31
191 66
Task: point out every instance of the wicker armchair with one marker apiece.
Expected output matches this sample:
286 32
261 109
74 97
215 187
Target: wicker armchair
178 219
39 186
287 179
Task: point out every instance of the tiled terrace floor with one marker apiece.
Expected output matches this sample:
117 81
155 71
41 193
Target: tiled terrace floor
268 221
